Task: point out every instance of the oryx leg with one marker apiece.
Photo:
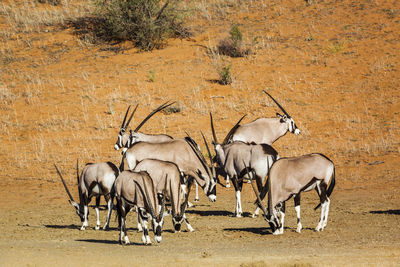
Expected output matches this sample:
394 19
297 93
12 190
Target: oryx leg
228 183
85 213
260 187
297 208
144 219
123 211
190 182
324 200
238 188
110 205
279 213
97 213
196 197
139 221
184 188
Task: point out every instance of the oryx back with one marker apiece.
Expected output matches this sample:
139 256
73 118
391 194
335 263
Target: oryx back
98 178
292 175
177 151
260 131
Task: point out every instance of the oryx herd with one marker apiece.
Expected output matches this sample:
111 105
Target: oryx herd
159 170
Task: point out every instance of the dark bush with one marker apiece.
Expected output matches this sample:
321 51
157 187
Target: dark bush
233 45
146 22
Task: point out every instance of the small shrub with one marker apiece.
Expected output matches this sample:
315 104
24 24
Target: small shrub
146 22
233 46
335 47
225 76
152 76
51 2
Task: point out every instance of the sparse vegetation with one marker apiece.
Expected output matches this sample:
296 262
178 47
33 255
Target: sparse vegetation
233 46
335 47
224 73
147 23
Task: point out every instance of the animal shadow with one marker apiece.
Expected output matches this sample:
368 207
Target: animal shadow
210 212
390 212
254 230
108 242
71 226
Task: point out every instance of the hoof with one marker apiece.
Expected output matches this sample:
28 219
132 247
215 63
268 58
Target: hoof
237 215
196 200
97 227
105 228
228 185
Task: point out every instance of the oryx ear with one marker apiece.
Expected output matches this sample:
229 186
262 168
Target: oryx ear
282 118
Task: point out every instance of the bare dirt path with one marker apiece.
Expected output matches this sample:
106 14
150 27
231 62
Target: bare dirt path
40 228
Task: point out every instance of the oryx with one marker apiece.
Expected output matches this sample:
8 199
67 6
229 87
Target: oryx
289 177
265 130
183 152
167 180
136 189
96 179
232 158
125 140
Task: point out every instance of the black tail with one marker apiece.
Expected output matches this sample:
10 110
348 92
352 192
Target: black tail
122 165
265 189
330 188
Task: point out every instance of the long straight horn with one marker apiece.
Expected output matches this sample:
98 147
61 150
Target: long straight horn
130 118
276 102
213 130
65 185
209 155
229 135
163 106
200 156
256 192
126 114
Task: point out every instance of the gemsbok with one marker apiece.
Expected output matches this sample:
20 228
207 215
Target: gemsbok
97 179
289 177
125 140
136 189
234 157
167 180
183 152
265 130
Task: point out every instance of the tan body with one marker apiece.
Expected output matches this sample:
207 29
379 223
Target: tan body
234 158
167 180
290 176
264 130
96 179
180 153
137 189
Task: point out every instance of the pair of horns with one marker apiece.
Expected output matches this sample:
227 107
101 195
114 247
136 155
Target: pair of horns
229 135
200 156
161 107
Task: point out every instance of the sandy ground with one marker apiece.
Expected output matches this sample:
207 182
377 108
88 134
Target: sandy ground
40 228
